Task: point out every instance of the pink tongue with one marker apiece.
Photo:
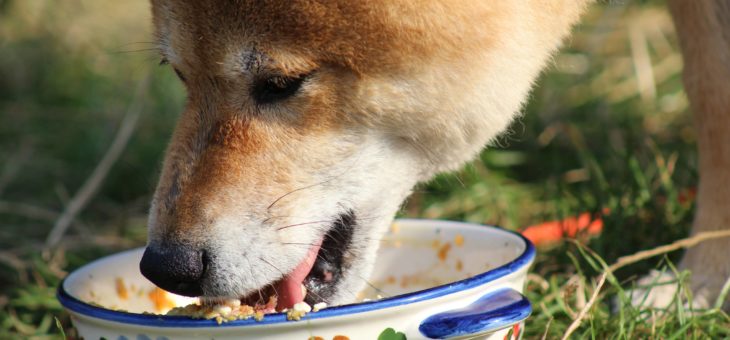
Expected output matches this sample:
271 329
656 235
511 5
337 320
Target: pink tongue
290 287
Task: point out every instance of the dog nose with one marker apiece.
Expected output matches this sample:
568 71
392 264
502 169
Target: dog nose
175 268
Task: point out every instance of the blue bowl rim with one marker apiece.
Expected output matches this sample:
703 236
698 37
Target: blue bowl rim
153 320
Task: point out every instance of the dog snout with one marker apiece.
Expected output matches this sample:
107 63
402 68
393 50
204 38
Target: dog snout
178 269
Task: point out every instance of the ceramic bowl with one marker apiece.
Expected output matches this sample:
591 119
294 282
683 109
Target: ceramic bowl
432 280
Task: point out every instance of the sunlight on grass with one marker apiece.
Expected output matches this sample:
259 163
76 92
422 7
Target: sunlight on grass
606 132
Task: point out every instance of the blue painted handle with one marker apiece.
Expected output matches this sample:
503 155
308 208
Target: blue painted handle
491 312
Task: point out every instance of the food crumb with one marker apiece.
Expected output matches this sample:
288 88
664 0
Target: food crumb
459 240
319 306
258 316
224 311
404 282
293 315
443 252
315 338
121 289
459 265
299 310
302 307
160 300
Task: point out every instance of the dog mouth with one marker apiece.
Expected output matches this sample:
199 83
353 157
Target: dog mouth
318 275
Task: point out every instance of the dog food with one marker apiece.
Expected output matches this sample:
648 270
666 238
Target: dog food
297 311
161 300
230 310
227 310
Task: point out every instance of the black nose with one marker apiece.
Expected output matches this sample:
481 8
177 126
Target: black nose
175 268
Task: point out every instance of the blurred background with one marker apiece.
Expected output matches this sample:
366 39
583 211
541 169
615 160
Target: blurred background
606 132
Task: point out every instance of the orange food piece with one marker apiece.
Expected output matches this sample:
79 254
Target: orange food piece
160 300
459 240
404 281
121 289
340 337
443 252
553 231
315 338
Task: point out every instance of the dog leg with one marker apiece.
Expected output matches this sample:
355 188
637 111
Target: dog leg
703 27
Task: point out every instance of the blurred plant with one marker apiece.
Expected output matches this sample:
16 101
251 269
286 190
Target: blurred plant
606 131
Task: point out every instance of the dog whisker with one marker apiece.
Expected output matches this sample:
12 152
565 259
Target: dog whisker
301 224
274 217
139 42
300 244
250 269
299 189
261 297
273 287
134 51
371 285
347 170
272 266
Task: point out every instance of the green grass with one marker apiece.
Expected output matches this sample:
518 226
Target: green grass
590 140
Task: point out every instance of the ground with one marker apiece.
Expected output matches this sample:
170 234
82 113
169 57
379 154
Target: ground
606 131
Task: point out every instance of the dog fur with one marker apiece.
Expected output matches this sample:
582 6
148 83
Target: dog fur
395 92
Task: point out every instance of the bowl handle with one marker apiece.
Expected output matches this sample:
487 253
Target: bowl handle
491 312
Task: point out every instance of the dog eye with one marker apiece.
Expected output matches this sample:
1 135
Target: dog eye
276 88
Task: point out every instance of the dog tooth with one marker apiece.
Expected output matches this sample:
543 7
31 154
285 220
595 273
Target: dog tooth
304 291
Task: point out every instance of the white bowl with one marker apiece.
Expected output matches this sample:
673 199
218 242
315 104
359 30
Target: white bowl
439 279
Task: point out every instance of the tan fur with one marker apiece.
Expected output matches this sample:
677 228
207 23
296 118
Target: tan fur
399 90
354 43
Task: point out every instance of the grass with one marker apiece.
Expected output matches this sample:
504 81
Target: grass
607 131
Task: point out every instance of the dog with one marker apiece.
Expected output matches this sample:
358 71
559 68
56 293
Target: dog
308 122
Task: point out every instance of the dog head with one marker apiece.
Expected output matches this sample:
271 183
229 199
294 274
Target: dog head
308 122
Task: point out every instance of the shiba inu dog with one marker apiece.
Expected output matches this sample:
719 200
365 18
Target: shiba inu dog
308 123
